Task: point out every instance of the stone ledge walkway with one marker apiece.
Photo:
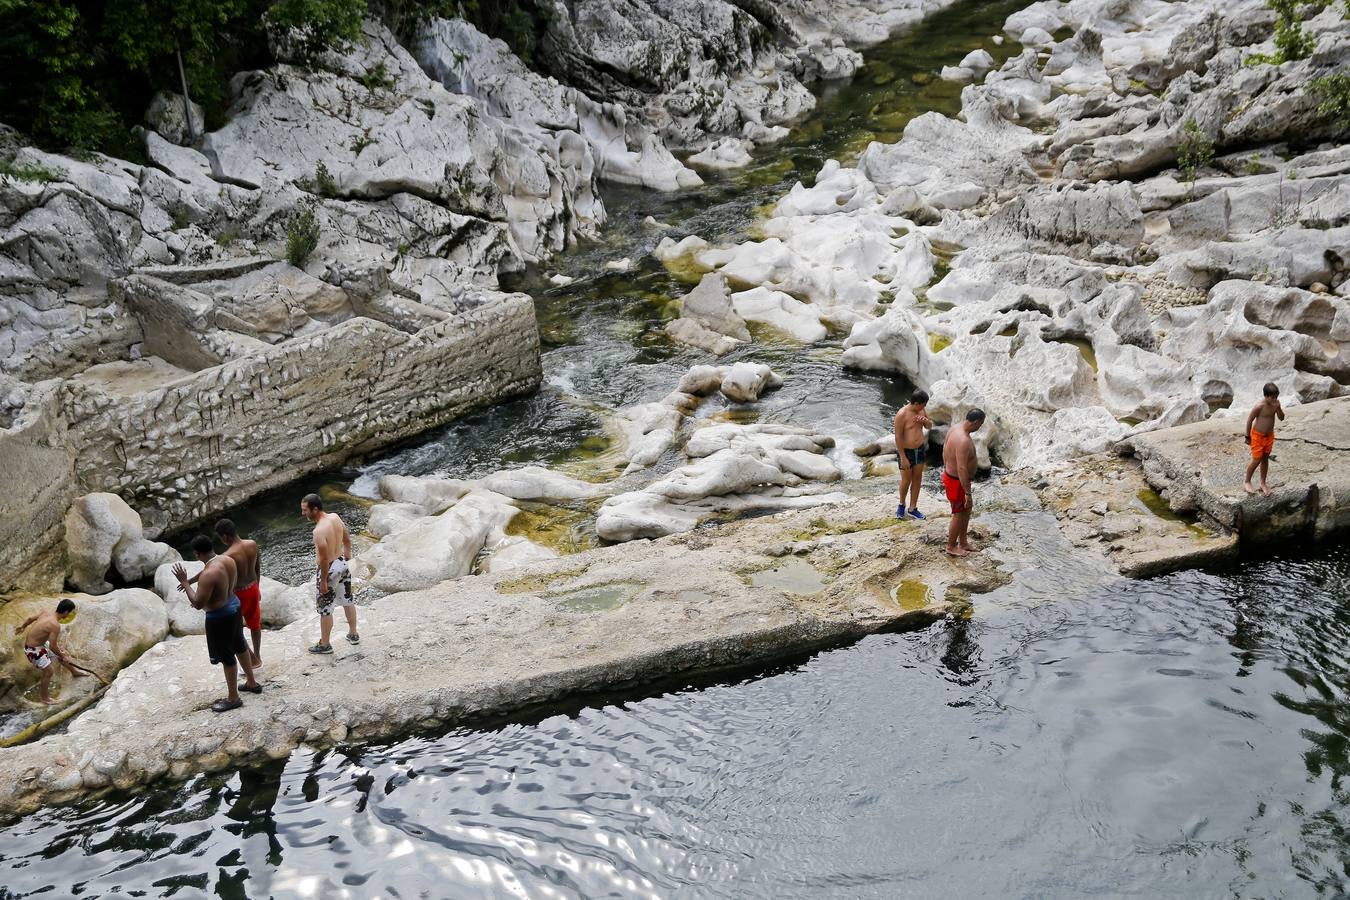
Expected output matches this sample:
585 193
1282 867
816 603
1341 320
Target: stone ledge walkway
1200 467
729 596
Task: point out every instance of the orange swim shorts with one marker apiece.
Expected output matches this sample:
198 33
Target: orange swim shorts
1262 444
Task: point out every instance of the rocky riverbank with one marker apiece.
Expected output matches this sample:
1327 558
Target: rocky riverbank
330 254
1134 226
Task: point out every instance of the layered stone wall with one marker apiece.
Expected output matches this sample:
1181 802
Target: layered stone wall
190 445
221 435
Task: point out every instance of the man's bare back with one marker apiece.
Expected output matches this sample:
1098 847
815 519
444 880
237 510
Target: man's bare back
245 557
330 536
42 630
216 583
958 454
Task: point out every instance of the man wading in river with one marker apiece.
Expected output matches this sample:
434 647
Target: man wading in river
958 468
214 593
249 589
332 580
911 443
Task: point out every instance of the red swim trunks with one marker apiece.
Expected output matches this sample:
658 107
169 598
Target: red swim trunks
1262 444
250 605
955 493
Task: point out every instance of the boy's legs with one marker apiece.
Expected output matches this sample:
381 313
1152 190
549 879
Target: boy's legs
906 474
1247 479
325 629
350 612
44 685
1265 469
915 482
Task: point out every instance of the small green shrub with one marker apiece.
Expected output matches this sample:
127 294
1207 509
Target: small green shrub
1291 41
1254 166
14 171
1196 151
1333 97
323 183
377 79
302 237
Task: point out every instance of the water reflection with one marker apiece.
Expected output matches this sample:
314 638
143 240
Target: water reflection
1114 741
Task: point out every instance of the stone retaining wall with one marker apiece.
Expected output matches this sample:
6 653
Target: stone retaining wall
216 437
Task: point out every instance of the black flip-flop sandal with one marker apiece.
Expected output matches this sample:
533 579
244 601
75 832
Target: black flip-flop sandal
256 689
221 706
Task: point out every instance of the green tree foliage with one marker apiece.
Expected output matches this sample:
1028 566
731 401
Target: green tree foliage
308 27
79 73
1333 98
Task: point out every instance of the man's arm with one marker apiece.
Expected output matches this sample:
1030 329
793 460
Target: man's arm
257 563
346 542
967 472
1247 429
1279 410
321 555
205 581
20 629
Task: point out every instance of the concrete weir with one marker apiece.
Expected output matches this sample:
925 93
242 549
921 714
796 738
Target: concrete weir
1199 468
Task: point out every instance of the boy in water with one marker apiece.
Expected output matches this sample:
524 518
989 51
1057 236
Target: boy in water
42 644
911 443
1260 433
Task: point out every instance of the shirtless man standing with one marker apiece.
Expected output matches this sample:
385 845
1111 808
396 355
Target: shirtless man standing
214 593
332 580
249 589
42 643
958 468
911 443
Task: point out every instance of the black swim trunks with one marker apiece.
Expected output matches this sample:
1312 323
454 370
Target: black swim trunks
225 633
915 456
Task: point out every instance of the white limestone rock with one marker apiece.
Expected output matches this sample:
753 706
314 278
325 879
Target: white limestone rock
744 382
103 531
438 547
781 311
728 153
538 483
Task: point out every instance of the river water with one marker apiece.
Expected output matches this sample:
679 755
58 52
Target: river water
1179 737
1077 733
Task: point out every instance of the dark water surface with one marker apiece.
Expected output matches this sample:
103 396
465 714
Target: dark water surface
1180 737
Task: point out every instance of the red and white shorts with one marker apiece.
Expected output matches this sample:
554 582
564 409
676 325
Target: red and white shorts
40 657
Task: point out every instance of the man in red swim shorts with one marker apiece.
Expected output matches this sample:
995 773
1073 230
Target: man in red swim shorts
958 468
249 587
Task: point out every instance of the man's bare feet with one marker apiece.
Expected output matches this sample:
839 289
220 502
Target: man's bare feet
1265 491
257 661
1247 486
969 549
48 701
957 551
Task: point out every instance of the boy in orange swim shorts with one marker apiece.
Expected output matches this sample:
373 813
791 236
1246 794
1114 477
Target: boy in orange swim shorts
1260 433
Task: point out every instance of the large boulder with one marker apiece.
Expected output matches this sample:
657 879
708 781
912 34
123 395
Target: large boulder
435 548
102 531
108 633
